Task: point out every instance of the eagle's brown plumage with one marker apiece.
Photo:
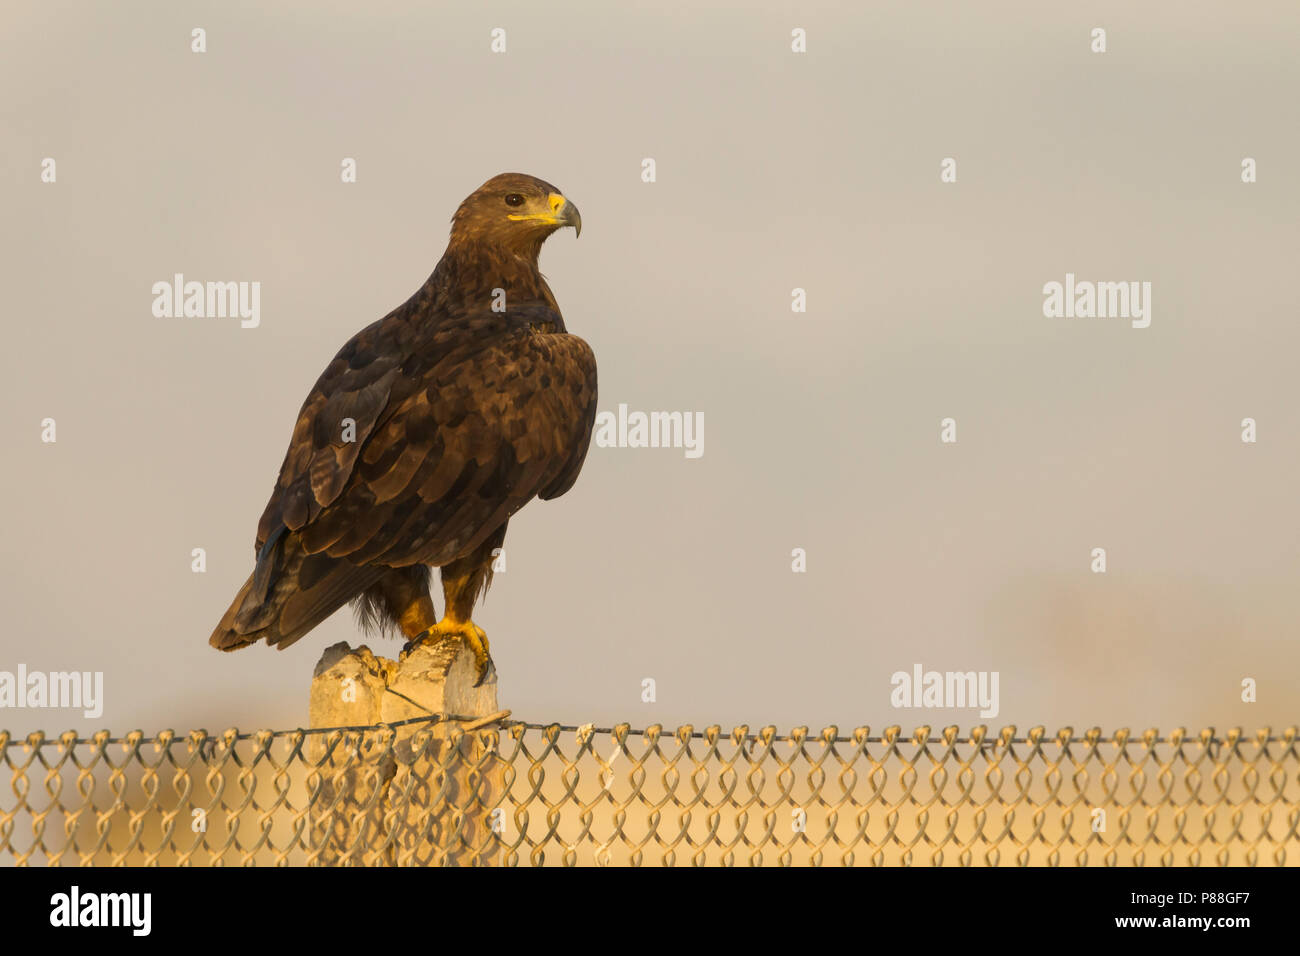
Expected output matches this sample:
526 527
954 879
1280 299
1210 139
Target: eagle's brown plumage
461 414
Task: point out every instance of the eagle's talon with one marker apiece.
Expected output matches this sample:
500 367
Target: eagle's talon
466 631
484 670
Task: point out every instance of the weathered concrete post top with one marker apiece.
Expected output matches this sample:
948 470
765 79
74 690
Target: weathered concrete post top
352 687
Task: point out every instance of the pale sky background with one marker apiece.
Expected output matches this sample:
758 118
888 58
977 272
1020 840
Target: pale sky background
775 170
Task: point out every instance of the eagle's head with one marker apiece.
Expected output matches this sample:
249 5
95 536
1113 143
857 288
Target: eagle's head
514 212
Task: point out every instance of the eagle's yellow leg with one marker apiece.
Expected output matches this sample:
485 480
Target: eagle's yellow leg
417 617
462 582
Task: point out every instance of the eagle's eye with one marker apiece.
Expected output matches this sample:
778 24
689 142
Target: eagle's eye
514 199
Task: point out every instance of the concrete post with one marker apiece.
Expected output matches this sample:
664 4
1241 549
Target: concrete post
426 798
446 779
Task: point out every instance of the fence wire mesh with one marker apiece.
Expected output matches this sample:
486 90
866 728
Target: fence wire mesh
441 791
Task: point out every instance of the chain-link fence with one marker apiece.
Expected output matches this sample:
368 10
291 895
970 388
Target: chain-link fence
445 791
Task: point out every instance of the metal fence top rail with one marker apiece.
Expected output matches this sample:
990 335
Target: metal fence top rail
978 735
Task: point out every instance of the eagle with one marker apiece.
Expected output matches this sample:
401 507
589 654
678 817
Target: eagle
429 429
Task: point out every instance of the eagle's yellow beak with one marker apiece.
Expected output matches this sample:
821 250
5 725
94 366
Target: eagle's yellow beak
563 213
567 213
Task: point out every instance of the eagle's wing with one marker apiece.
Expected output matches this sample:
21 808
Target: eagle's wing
345 403
451 438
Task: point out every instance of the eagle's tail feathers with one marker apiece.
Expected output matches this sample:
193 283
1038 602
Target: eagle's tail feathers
304 591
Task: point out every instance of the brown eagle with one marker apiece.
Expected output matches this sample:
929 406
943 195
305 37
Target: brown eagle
427 431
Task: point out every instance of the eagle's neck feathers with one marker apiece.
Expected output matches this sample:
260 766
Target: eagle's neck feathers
468 276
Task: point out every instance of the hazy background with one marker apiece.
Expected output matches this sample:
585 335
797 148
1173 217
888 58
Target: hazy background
775 170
